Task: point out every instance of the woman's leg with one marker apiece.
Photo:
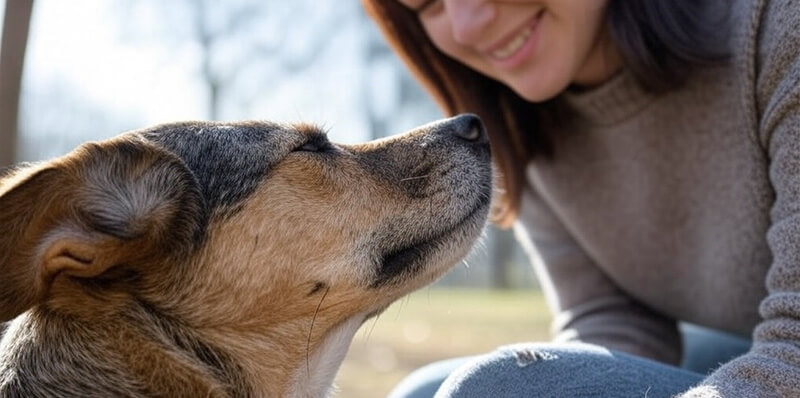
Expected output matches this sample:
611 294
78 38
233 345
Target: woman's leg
564 370
423 382
704 350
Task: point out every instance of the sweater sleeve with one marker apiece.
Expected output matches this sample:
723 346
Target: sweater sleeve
772 367
587 304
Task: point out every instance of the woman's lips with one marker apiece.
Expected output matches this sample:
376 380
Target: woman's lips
512 50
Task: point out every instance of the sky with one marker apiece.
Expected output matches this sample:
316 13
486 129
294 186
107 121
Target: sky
127 63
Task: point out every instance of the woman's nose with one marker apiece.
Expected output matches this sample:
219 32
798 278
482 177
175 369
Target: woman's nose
469 19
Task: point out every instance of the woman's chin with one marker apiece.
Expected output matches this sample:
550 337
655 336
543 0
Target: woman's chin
538 90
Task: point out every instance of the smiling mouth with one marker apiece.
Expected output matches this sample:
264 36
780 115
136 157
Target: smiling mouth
409 259
509 46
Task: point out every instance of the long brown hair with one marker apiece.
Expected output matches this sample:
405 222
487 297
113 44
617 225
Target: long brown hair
659 42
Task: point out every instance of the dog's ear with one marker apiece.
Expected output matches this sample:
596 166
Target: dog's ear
119 201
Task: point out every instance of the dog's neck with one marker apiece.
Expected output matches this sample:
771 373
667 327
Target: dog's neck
260 369
211 364
315 378
266 366
63 356
168 358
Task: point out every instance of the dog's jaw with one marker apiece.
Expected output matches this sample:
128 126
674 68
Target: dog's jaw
314 379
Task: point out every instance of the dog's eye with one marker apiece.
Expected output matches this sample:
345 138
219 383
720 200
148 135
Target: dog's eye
310 147
315 145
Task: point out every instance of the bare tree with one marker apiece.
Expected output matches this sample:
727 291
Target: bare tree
207 35
501 258
12 57
242 45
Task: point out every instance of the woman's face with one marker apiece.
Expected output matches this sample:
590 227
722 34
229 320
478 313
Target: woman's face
536 47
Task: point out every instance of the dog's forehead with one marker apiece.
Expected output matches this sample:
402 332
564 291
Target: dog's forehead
213 138
227 159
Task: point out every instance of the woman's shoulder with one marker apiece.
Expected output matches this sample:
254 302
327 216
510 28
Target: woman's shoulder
766 47
765 22
774 31
765 32
776 20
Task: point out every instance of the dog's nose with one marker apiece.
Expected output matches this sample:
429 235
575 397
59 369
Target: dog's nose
469 128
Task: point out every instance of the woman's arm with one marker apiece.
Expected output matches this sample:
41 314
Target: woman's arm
772 367
588 306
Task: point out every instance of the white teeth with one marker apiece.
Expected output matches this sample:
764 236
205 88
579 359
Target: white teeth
509 49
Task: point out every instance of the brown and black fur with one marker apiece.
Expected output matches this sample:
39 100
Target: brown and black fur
223 259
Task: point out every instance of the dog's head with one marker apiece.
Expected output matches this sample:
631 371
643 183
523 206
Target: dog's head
265 232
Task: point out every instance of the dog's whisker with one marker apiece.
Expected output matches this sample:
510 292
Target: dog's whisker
371 329
403 302
415 178
311 331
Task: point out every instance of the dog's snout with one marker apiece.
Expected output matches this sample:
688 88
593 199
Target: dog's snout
468 127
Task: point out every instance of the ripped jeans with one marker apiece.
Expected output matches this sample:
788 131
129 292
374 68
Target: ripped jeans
572 370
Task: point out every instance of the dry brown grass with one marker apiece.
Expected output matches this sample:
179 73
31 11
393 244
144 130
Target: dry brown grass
434 324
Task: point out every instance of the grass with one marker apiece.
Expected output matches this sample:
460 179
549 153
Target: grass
435 324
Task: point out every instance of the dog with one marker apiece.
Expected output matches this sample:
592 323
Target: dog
209 259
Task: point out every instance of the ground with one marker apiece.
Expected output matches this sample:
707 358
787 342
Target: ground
434 324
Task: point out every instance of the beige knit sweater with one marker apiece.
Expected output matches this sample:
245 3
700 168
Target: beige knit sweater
683 206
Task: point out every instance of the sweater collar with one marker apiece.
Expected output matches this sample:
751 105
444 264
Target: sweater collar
610 103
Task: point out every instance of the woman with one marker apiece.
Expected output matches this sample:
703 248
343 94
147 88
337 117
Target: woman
650 153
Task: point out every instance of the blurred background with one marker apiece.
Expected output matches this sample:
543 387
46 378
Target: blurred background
78 70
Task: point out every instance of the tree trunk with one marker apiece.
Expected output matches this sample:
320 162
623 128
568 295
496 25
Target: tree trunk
12 56
501 260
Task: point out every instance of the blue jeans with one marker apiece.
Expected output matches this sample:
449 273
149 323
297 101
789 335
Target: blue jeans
572 370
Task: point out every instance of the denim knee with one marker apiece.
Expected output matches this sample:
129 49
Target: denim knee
564 370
